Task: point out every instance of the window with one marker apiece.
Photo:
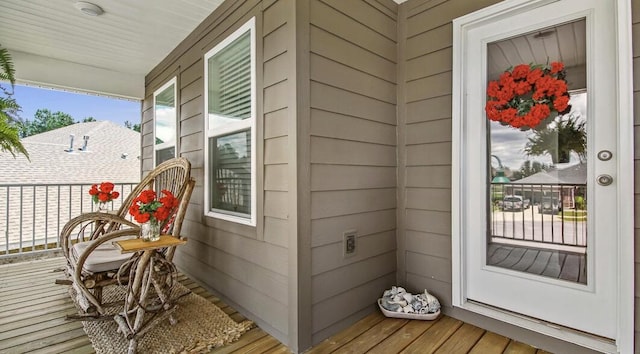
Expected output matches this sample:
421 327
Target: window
230 128
165 120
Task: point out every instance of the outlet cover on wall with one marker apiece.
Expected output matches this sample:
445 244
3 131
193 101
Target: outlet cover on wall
349 242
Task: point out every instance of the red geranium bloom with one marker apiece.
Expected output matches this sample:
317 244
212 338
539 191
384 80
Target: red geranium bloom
103 193
147 207
527 95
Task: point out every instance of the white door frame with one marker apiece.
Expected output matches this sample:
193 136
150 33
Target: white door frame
624 341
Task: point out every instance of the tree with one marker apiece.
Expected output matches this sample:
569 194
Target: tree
568 135
9 108
129 125
89 119
45 120
529 168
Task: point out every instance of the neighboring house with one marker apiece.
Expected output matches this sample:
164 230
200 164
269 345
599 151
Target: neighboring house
333 118
44 192
567 181
111 153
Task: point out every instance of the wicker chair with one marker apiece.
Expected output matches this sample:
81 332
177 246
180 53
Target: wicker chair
93 262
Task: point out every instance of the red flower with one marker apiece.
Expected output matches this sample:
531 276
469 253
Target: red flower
142 217
527 95
106 187
561 103
147 196
103 193
534 75
147 206
522 88
520 71
556 67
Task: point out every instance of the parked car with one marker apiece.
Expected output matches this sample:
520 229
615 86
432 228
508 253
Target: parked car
514 202
550 206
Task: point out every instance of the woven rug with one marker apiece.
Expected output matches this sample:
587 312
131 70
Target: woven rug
201 327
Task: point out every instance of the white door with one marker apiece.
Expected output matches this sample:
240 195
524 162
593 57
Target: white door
543 242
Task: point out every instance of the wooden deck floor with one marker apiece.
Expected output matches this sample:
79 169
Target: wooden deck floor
549 263
33 310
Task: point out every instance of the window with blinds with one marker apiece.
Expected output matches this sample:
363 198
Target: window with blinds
165 121
230 127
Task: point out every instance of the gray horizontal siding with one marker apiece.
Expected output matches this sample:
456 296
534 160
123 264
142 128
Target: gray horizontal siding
352 158
424 257
248 266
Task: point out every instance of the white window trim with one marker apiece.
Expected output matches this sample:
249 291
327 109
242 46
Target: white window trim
232 128
162 146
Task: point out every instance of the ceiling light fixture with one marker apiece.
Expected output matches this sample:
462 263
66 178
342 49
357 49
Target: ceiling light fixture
544 34
88 8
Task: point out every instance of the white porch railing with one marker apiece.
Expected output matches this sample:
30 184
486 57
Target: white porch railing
32 215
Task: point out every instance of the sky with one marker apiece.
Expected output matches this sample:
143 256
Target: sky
509 143
78 105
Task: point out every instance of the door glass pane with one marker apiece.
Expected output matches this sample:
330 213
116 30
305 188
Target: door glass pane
537 148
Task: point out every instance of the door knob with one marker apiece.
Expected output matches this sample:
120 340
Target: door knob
604 180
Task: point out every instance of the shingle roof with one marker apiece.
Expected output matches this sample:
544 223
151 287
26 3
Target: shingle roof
576 174
102 160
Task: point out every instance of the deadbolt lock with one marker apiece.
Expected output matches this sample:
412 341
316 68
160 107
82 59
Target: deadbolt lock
604 180
605 155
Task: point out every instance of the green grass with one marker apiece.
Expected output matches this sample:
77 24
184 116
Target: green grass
574 215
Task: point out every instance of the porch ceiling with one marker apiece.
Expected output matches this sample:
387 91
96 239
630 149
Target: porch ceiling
53 44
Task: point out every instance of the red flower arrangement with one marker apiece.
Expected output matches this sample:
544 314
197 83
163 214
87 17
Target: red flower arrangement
103 193
527 95
146 207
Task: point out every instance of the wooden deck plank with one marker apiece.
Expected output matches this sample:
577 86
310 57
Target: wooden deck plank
37 308
80 345
402 338
583 270
462 340
246 339
518 348
571 268
434 337
333 343
34 327
555 265
260 346
513 258
526 261
34 336
279 349
30 301
44 342
490 343
500 254
35 320
540 263
373 335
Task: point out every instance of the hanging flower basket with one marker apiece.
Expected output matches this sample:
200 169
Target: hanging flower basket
528 96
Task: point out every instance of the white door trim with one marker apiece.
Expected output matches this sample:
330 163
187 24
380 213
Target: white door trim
624 172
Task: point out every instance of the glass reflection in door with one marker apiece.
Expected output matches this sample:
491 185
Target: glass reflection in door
537 148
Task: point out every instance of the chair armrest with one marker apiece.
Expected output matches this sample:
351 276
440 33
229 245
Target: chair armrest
91 226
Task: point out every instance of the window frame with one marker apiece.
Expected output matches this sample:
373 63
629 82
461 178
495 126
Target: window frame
232 128
163 146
